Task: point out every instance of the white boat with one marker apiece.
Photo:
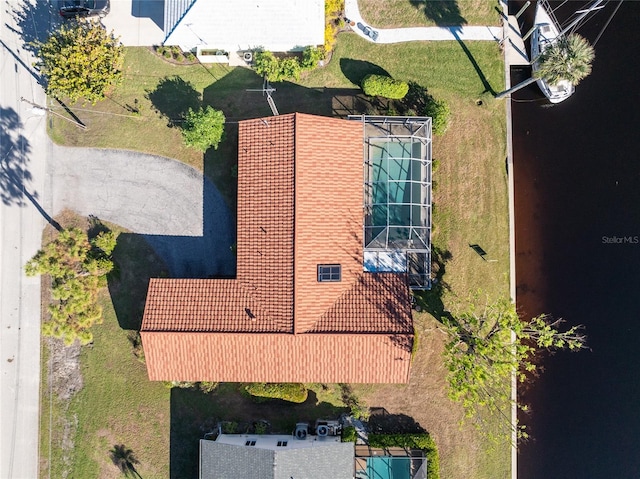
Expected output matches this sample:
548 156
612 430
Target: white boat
545 33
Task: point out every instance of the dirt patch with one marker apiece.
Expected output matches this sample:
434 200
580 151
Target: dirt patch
65 377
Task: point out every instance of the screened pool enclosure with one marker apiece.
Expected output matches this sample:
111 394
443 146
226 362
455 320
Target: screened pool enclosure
397 196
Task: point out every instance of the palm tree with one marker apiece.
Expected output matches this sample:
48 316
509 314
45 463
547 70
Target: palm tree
568 59
124 460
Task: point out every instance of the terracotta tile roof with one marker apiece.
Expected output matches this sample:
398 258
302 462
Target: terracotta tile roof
299 205
376 302
228 357
266 160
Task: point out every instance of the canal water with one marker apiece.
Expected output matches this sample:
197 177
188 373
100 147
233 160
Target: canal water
577 203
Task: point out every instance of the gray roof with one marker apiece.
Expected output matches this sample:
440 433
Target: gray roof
322 461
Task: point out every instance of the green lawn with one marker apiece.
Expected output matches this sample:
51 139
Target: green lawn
427 13
470 207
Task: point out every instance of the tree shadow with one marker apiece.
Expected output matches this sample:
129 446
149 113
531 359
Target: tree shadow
431 300
33 22
356 70
125 460
485 83
193 414
444 13
172 98
382 422
14 156
14 173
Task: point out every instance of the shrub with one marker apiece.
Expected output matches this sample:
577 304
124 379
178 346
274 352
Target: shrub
384 86
440 113
203 128
330 32
191 57
421 441
311 56
292 392
266 64
349 434
167 54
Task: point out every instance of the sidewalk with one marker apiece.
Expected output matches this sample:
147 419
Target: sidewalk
397 35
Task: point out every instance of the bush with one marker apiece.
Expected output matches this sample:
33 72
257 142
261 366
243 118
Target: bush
266 64
384 86
292 392
440 113
311 56
421 441
421 102
203 128
349 434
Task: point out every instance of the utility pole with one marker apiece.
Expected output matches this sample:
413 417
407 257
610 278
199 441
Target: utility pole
49 110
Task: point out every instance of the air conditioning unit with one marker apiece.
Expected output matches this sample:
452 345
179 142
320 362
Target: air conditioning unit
322 431
301 431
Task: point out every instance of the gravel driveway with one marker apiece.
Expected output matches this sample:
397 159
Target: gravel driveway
180 213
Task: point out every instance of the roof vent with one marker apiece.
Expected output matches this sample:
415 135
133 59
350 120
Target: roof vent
302 429
322 431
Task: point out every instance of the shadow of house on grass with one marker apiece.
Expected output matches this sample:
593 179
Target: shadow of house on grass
193 414
382 422
139 257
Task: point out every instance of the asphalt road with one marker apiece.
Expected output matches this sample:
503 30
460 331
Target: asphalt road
181 215
24 149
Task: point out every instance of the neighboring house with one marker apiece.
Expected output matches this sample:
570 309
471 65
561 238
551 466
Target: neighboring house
240 25
305 306
252 456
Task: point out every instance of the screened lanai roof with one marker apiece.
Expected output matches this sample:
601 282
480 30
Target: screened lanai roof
397 196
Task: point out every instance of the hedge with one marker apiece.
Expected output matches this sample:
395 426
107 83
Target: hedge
292 392
384 86
421 441
349 434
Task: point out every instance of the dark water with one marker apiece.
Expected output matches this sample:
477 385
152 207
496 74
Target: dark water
577 180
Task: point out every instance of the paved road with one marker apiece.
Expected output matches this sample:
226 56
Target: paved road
397 35
181 214
24 149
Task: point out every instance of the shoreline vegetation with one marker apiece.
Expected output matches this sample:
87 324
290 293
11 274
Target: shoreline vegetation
161 426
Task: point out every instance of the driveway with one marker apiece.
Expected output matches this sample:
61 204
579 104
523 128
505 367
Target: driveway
180 213
137 22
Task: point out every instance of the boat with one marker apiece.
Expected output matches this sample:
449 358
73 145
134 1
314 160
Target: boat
547 31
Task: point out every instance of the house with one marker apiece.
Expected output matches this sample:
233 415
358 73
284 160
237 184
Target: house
310 303
277 456
242 25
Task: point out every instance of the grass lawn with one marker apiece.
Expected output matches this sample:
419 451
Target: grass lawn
470 207
428 13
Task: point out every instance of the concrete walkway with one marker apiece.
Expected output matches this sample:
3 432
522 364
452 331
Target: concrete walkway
180 213
397 35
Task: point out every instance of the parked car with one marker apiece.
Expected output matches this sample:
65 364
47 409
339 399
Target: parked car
368 31
84 8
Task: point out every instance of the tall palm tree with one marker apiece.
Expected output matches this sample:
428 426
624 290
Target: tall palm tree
569 58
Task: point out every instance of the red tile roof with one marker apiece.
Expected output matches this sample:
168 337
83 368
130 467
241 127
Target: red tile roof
299 205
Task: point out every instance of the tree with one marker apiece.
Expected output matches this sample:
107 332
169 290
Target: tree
203 128
80 60
569 59
486 348
77 267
